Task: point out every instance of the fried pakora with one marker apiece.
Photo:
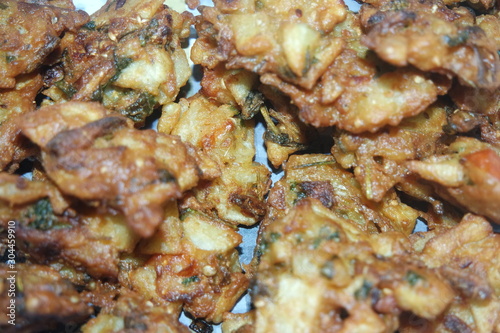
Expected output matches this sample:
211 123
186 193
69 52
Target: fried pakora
128 57
467 174
432 37
99 158
322 178
385 121
30 31
237 194
334 81
132 313
377 166
319 272
45 301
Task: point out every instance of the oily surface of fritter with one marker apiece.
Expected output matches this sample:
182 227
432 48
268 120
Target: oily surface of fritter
320 272
30 31
326 71
42 296
132 313
432 37
467 174
322 178
128 57
237 194
100 158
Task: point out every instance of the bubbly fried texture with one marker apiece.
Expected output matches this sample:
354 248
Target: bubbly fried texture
133 313
432 37
237 194
128 57
321 272
326 71
377 165
382 120
468 174
322 178
38 24
45 301
100 159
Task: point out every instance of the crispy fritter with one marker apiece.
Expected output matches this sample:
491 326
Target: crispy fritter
285 133
50 231
128 57
14 102
319 272
132 313
237 194
378 166
43 299
467 174
194 263
322 178
432 37
30 31
326 71
467 257
291 39
102 160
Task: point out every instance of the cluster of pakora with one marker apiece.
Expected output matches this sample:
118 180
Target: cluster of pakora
379 119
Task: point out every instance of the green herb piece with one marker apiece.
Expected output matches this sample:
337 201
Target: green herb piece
253 102
363 292
165 176
274 236
297 189
66 88
141 108
89 26
412 277
461 38
41 216
190 279
120 64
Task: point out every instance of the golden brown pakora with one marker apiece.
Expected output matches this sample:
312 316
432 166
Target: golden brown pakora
128 57
467 174
132 313
237 194
379 119
322 178
432 37
319 272
43 301
332 80
30 31
377 165
103 160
